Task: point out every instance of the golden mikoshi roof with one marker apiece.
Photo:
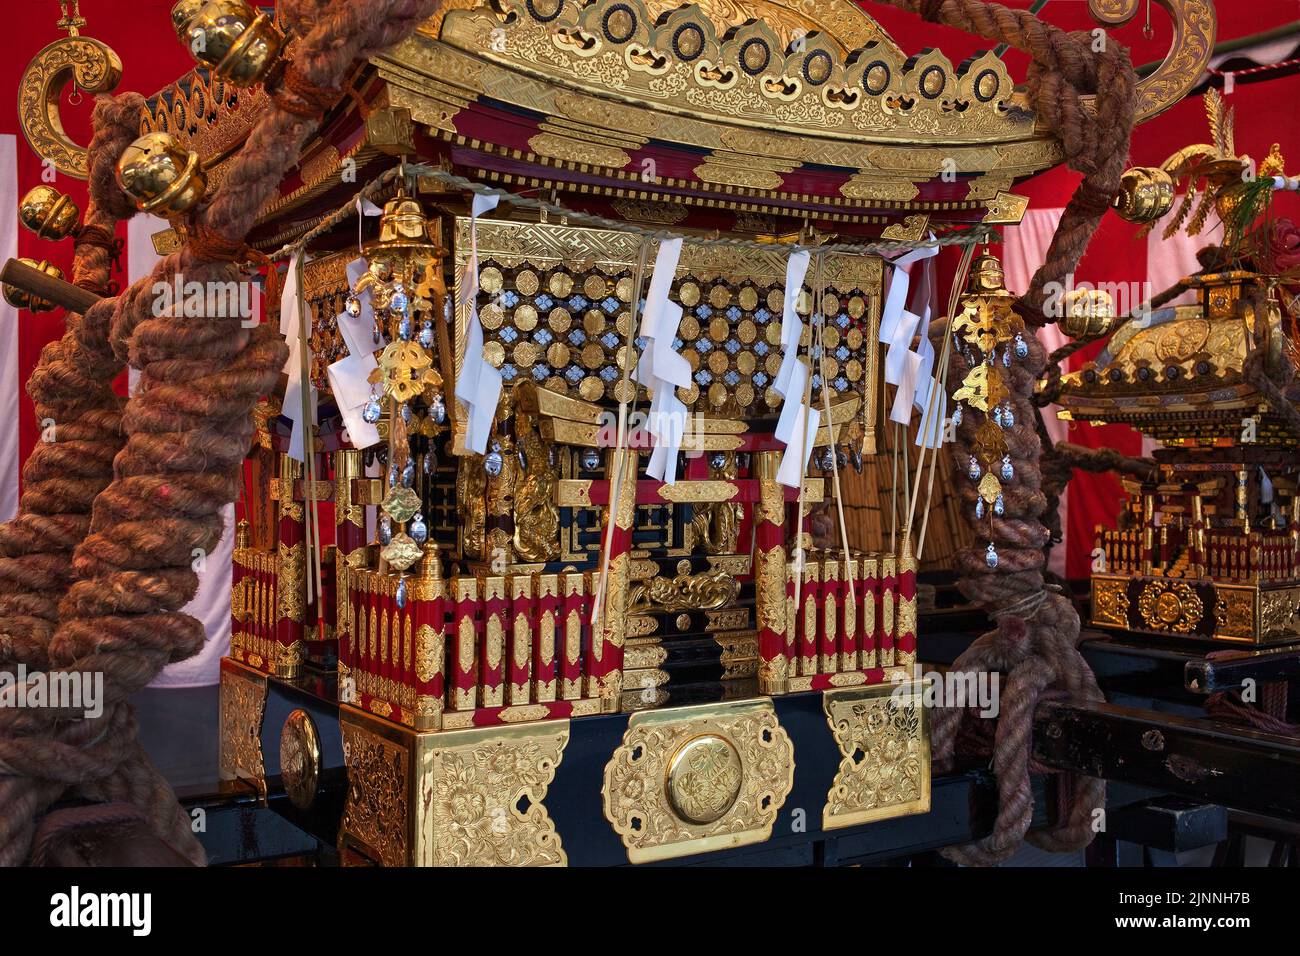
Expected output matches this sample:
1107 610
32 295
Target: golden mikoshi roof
1179 373
792 107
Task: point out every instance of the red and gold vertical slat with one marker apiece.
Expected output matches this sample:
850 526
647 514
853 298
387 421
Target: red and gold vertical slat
429 611
828 640
403 692
492 689
792 617
888 597
291 579
849 614
266 581
238 593
770 576
905 645
384 604
349 553
546 637
365 629
575 615
522 616
465 638
809 618
605 665
869 651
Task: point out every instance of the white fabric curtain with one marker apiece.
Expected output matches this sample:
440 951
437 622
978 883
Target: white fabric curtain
1169 260
9 384
1024 250
211 604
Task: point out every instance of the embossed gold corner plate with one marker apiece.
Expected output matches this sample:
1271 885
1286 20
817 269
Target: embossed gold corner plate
241 709
451 798
883 733
692 780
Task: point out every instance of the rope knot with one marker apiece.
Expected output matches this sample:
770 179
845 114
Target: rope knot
308 100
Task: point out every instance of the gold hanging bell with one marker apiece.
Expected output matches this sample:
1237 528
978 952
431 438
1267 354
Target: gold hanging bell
986 276
1146 194
240 44
160 176
22 299
182 13
403 225
1086 314
49 213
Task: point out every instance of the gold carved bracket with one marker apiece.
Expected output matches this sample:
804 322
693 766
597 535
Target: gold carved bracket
698 779
93 67
884 738
452 798
242 707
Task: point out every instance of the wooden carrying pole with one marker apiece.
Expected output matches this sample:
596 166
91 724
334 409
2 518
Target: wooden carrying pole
44 286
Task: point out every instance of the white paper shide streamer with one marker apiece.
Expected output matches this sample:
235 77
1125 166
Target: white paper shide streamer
478 384
295 326
798 423
662 370
903 318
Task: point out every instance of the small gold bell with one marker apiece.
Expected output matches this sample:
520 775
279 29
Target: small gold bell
1086 314
49 213
403 219
22 299
160 176
183 11
986 275
404 228
237 42
1146 194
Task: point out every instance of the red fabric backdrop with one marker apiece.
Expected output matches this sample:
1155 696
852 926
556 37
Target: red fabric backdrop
140 32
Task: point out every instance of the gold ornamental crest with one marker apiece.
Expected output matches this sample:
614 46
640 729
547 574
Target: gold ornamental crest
1166 607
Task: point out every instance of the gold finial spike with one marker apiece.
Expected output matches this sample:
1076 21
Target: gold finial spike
71 22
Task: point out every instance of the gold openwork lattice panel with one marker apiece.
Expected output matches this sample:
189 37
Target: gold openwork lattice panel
556 305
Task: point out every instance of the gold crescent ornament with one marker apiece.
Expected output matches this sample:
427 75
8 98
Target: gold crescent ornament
92 67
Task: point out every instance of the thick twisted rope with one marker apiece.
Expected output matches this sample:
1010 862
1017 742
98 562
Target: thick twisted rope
187 431
1035 647
70 388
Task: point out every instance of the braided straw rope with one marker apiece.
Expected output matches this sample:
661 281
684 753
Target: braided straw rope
1036 646
186 432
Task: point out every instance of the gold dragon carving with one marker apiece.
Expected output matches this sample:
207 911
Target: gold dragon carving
537 518
686 592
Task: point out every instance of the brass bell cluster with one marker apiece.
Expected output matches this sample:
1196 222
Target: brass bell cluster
241 46
236 42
